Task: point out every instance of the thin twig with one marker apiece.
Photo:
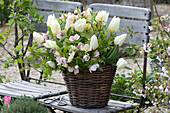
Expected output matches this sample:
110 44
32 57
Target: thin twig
7 51
34 68
139 67
21 38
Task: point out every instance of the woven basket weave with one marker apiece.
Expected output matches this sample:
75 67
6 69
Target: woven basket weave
90 90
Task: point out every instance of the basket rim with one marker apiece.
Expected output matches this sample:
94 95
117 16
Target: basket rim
86 70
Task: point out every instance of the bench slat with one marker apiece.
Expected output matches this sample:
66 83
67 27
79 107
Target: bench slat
137 38
45 13
123 11
38 86
13 94
31 87
113 106
16 89
59 5
21 88
134 25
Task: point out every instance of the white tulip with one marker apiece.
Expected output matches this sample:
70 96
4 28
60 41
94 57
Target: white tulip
120 39
52 22
55 27
121 63
49 20
87 14
38 37
102 16
51 64
85 47
80 25
50 44
94 42
114 24
69 23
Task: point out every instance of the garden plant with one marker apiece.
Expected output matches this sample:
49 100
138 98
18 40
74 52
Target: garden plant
19 21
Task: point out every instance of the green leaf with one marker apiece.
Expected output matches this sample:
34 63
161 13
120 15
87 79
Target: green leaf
30 57
64 37
69 31
43 54
78 11
60 44
131 35
16 62
132 52
138 45
100 68
37 66
128 68
20 61
41 16
49 29
113 53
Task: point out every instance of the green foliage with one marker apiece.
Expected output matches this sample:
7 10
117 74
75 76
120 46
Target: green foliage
130 85
25 105
4 10
18 19
2 77
160 49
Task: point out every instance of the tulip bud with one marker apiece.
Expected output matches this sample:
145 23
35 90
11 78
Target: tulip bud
114 24
121 63
94 42
38 37
50 44
51 64
102 16
85 47
49 20
80 25
120 39
55 26
52 22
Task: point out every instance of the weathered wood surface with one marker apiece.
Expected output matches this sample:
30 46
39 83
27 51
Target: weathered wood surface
137 19
137 38
59 5
113 106
134 25
123 11
135 3
21 88
47 6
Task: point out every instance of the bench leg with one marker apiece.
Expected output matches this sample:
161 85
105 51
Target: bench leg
52 110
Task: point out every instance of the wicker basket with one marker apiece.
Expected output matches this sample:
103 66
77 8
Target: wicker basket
90 90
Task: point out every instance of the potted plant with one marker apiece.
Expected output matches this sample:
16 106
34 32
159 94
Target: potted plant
85 50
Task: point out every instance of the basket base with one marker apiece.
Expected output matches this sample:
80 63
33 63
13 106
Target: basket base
90 90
